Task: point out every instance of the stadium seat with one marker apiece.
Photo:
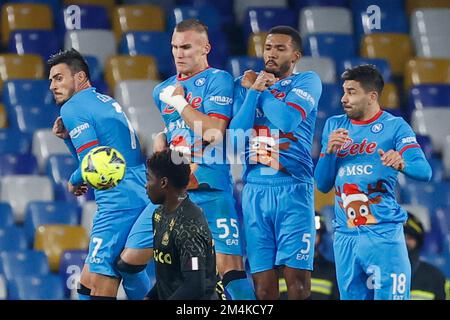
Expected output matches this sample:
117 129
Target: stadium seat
426 145
59 169
109 5
434 123
428 194
13 141
313 20
12 238
12 163
381 64
412 5
27 66
437 167
323 199
261 19
6 216
28 119
54 5
19 190
90 17
31 42
443 217
40 213
45 143
207 13
392 17
428 95
390 98
71 265
3 117
98 43
237 65
36 288
241 6
324 67
87 215
297 5
394 47
3 290
224 7
129 18
220 50
25 16
28 92
339 47
136 93
119 68
427 71
24 263
150 43
55 239
446 156
420 212
329 105
255 44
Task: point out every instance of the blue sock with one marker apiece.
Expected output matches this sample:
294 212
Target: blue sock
136 285
237 286
84 293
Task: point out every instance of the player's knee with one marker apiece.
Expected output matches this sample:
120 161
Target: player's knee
300 288
267 293
123 266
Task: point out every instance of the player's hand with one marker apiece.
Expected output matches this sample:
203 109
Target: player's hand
59 129
263 81
336 140
77 190
248 79
392 159
174 96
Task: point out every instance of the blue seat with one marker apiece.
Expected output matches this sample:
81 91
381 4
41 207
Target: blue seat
47 287
219 54
237 65
152 43
6 215
31 42
381 64
12 239
27 92
339 47
426 145
224 7
53 212
428 95
329 105
437 167
24 263
207 13
17 164
13 141
30 118
297 5
443 220
261 19
428 194
70 267
393 17
95 68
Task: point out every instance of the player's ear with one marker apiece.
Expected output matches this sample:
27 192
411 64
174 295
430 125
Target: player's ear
296 56
164 182
207 49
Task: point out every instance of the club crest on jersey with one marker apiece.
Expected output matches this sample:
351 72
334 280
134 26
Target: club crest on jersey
351 148
200 82
377 127
195 102
285 83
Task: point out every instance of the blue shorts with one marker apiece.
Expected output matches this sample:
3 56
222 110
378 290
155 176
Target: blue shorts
108 237
220 212
141 234
372 263
279 223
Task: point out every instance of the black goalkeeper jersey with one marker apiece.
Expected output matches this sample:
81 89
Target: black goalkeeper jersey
182 242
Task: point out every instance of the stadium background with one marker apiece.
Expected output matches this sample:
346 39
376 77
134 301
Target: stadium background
44 230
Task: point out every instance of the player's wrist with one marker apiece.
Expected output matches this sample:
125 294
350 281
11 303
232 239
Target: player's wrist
179 103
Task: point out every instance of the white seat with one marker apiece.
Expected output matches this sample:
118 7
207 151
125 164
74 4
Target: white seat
87 215
433 122
19 190
421 213
240 6
45 144
3 292
446 156
136 93
325 20
324 67
98 43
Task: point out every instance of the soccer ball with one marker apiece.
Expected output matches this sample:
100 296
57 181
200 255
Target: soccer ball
103 168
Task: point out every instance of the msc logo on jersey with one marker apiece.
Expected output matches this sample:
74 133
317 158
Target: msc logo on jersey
285 83
377 127
200 82
355 170
75 133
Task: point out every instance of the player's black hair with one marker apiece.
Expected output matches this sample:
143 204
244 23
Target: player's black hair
367 75
72 58
170 164
415 229
191 24
289 31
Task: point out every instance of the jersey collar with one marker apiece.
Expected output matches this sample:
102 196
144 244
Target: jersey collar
374 118
180 78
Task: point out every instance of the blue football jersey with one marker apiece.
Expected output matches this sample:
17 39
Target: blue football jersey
364 186
270 151
210 92
94 119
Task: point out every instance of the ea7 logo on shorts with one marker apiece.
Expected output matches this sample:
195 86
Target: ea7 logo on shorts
221 100
377 127
200 82
75 133
304 95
